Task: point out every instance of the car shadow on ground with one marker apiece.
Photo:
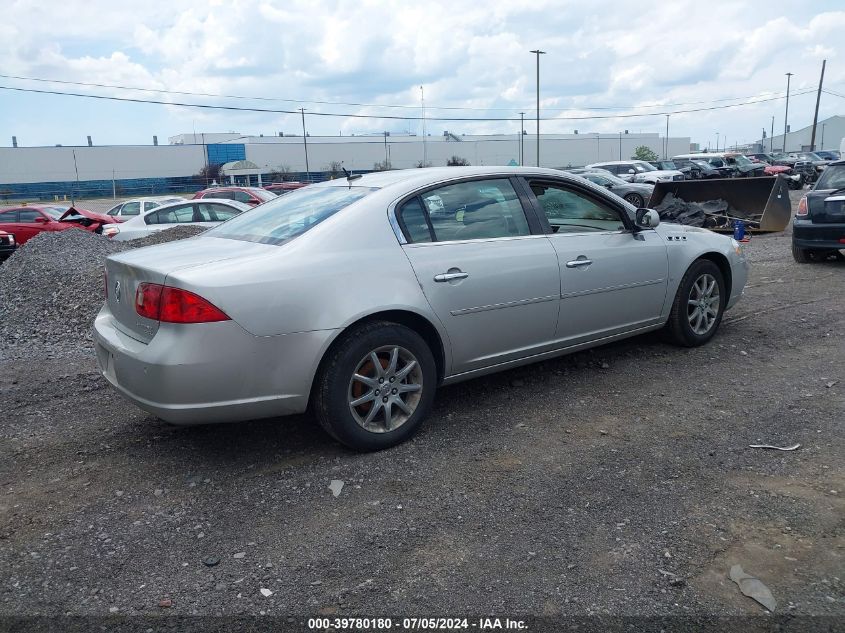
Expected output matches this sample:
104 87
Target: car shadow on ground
272 439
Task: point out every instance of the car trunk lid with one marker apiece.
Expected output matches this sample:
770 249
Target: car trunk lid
153 264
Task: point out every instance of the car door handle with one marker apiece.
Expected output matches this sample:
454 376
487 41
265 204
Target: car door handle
577 263
450 276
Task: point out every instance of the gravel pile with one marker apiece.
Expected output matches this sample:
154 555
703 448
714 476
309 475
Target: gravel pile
52 288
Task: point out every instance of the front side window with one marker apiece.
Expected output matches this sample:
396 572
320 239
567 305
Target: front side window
114 210
131 208
479 209
570 211
216 212
286 217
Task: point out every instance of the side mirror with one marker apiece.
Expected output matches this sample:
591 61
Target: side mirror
631 171
647 218
41 220
609 185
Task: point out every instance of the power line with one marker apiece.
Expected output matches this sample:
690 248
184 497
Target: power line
391 116
377 105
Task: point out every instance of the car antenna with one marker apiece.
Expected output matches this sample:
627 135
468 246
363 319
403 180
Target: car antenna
349 177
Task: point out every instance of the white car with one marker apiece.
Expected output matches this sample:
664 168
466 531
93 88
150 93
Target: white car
206 212
639 171
139 206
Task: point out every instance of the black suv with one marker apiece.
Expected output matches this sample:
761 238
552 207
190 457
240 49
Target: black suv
818 230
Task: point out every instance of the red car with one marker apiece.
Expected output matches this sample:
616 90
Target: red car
284 187
27 221
252 196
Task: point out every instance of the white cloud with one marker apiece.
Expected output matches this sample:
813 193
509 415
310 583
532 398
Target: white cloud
466 54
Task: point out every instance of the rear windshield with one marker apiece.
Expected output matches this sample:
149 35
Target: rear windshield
285 217
832 178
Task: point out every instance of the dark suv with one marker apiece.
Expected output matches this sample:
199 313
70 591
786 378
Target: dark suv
818 230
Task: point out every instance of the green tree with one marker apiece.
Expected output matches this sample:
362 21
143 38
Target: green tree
383 166
644 152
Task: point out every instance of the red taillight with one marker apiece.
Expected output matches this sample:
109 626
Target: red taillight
174 305
802 207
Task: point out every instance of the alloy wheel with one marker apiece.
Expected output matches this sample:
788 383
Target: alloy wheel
703 304
385 389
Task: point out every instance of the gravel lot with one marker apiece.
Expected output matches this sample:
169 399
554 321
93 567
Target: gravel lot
617 481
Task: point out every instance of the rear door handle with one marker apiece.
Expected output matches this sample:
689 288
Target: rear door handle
450 276
577 263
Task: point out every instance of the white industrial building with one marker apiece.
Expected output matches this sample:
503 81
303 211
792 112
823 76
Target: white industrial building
829 135
53 173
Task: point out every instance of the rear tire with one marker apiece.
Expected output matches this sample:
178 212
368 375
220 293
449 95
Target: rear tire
801 255
698 306
393 396
635 199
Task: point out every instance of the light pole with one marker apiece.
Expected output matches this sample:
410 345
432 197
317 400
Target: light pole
772 137
717 141
538 52
786 112
425 147
386 159
521 139
666 144
821 142
305 145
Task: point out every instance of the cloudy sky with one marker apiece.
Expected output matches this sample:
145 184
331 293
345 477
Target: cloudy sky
603 59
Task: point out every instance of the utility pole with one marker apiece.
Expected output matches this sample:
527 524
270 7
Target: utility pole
538 52
425 146
666 144
521 139
786 112
305 145
717 141
816 115
772 137
386 160
620 145
821 142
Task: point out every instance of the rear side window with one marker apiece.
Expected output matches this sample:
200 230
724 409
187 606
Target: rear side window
242 196
831 178
478 209
288 216
414 222
173 215
9 216
28 215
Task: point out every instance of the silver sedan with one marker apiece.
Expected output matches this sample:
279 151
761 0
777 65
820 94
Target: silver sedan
359 296
206 212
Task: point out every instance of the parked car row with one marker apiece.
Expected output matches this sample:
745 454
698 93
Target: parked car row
130 219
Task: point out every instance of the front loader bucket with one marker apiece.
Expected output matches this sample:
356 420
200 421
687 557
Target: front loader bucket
762 203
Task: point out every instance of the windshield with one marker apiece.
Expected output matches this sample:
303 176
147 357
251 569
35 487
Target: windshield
703 164
809 156
54 212
832 178
666 164
641 167
742 160
285 217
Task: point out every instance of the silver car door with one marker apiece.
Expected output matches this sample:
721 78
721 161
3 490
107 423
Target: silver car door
492 283
613 279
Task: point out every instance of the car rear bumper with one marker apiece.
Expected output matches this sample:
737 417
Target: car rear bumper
210 372
739 277
805 234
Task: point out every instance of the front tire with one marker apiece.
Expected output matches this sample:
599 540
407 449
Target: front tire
376 386
699 305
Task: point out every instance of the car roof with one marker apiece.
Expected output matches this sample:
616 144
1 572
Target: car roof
618 162
420 177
